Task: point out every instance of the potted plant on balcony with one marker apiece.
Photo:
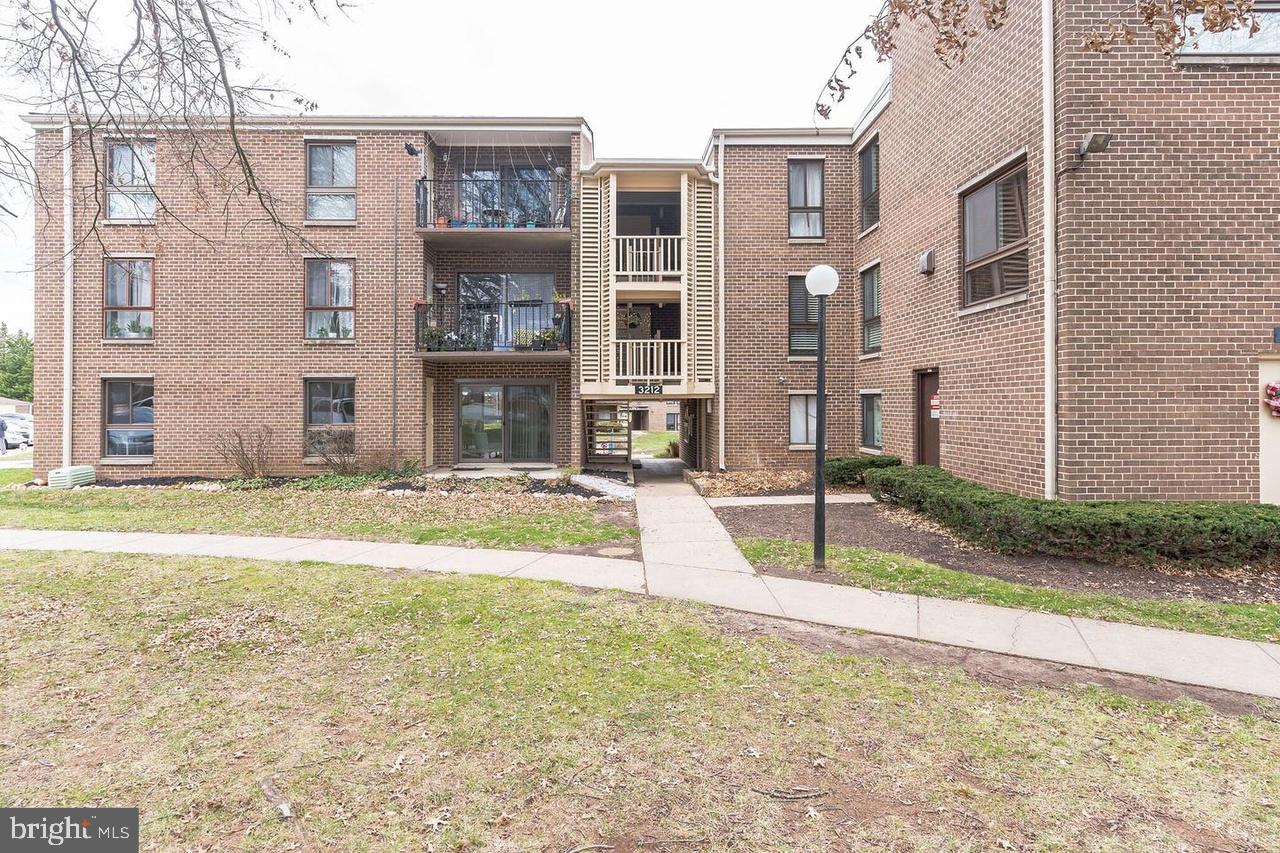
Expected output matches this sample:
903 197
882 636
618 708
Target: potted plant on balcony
442 221
522 339
433 339
547 339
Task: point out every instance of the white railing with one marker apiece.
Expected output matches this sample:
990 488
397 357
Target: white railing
648 256
648 359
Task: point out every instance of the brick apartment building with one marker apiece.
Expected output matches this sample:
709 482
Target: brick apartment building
496 294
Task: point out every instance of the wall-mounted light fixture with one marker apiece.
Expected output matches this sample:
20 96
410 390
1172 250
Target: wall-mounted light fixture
1095 143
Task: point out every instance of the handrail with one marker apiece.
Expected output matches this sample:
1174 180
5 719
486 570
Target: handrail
531 202
648 255
648 359
453 325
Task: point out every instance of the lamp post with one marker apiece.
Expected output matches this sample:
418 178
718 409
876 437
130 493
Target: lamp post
821 281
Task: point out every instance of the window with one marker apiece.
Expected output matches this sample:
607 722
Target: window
871 310
1265 42
804 198
872 422
128 417
127 304
131 177
869 166
331 181
802 310
673 421
804 419
330 299
331 417
995 236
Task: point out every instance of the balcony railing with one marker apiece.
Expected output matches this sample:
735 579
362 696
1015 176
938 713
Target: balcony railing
462 326
540 202
644 360
648 256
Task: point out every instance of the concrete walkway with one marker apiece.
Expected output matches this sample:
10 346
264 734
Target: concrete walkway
703 570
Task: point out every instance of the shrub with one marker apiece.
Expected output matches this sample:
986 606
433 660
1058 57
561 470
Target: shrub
849 470
1202 533
248 450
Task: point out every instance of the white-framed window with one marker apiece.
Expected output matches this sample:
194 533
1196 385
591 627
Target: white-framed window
1236 43
128 417
331 181
804 419
128 302
131 178
330 299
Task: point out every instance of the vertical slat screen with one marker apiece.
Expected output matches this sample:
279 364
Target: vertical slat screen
589 343
704 281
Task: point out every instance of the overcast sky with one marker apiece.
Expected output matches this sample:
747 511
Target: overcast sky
652 79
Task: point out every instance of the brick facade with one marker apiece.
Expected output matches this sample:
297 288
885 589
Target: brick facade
1167 283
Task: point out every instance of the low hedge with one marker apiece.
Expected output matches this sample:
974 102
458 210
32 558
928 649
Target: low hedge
849 470
1204 533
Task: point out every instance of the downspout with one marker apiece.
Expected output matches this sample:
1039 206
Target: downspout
720 323
68 290
1050 226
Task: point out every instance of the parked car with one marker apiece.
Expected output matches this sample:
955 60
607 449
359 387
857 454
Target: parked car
17 431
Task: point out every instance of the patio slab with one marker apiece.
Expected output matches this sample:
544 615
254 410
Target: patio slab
1024 633
723 589
483 561
398 555
682 532
721 555
846 606
1178 656
595 572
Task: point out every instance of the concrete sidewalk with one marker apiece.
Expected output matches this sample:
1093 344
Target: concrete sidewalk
1207 661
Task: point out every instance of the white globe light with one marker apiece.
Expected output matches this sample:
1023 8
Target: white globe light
822 280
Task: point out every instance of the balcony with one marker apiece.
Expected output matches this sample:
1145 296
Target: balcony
648 258
648 360
526 330
470 212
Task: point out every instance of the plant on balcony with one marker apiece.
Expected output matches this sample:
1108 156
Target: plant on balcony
523 339
433 338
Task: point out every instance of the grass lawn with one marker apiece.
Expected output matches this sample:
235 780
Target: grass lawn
494 519
877 570
400 712
14 475
653 442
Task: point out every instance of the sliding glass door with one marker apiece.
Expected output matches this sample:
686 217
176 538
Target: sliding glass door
503 422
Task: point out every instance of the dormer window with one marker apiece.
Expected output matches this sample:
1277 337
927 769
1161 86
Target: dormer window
131 177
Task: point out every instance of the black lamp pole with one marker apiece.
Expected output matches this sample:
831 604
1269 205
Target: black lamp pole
820 456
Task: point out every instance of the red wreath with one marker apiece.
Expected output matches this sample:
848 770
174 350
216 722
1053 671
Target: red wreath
1272 398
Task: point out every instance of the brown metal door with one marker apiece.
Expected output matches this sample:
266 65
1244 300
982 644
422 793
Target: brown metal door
928 419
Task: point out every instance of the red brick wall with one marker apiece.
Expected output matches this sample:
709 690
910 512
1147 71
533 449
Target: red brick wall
942 129
1169 273
228 350
446 375
758 258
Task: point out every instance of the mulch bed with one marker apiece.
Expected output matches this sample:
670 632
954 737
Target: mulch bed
895 531
766 481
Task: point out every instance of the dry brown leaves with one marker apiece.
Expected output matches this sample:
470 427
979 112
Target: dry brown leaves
255 630
760 482
37 614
